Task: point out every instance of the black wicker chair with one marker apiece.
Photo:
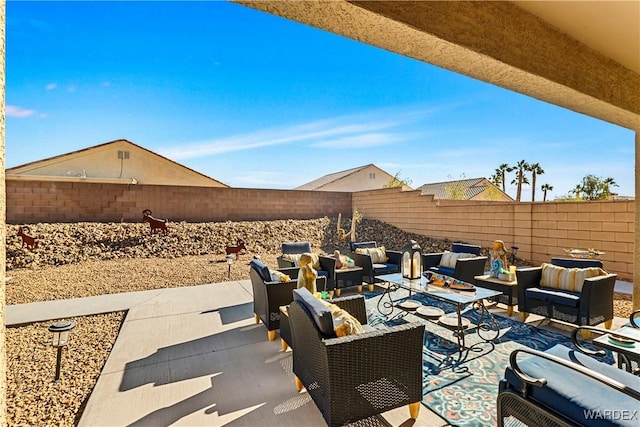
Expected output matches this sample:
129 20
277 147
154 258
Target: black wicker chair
357 376
590 307
269 295
327 264
370 269
466 269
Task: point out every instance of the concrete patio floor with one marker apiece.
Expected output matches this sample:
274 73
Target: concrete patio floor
194 356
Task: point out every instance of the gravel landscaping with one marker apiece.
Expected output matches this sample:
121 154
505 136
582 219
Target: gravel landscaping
86 259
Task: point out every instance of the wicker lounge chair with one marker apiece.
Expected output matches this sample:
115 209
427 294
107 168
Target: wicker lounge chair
356 376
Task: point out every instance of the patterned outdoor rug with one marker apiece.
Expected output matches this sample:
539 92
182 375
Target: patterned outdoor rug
462 388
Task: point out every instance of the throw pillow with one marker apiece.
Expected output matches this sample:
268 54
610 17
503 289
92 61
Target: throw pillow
567 279
377 255
278 276
343 323
449 259
295 258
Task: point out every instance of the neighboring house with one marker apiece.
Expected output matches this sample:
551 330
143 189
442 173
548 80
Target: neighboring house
368 177
466 189
115 162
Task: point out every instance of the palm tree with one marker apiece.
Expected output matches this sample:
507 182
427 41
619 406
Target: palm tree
535 170
502 171
545 188
496 178
520 178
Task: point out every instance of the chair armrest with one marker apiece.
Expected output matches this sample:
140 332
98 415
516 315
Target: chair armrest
354 305
541 382
527 278
599 286
394 353
431 260
363 261
290 271
328 264
284 263
634 319
468 268
395 257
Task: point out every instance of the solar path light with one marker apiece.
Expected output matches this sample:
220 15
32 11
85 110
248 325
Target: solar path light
61 332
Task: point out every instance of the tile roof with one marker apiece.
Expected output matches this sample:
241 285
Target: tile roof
464 189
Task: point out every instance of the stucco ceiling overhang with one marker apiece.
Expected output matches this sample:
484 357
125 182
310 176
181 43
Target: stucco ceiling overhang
537 49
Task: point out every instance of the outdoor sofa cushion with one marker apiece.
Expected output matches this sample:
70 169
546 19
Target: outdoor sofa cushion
573 394
261 269
566 298
318 311
356 245
296 247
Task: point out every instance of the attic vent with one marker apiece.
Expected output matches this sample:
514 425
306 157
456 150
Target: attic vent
372 175
123 154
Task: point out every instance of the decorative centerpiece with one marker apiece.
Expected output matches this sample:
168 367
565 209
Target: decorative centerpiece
584 253
499 264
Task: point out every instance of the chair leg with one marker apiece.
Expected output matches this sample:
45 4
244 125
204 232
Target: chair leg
608 324
414 410
371 287
299 384
283 344
586 334
359 288
257 319
509 310
523 316
271 335
338 291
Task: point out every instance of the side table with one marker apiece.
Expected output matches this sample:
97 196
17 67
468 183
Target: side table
627 352
509 290
349 276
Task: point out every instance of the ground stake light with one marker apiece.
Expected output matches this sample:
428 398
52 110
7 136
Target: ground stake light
61 332
411 260
229 262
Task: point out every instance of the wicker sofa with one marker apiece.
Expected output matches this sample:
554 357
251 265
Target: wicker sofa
356 376
592 305
563 387
465 269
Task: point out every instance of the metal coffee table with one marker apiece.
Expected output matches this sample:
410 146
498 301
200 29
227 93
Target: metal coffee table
462 300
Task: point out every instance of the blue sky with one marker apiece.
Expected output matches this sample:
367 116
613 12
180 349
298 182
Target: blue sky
255 100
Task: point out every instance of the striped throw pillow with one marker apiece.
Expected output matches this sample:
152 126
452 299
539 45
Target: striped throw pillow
449 259
378 255
567 279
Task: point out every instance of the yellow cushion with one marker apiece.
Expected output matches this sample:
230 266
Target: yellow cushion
449 259
377 255
567 279
278 276
344 323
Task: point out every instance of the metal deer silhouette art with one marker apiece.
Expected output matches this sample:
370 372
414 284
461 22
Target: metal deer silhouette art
155 224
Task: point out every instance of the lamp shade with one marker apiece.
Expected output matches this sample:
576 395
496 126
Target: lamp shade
61 332
412 260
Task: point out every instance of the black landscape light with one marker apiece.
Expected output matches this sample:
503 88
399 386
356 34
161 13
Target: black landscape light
61 333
